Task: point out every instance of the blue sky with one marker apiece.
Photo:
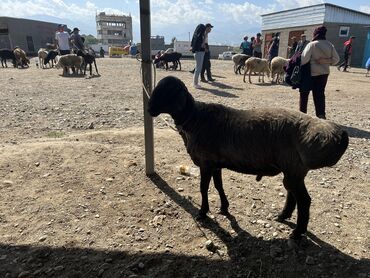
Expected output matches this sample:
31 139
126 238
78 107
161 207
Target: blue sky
232 19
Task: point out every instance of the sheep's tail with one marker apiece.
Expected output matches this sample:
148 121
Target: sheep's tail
324 147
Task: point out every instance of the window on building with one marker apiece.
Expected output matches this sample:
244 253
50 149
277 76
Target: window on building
4 31
30 45
100 32
343 31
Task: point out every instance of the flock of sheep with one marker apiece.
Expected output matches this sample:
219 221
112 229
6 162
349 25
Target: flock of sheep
260 66
75 62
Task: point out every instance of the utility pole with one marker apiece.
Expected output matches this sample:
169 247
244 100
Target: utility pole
146 65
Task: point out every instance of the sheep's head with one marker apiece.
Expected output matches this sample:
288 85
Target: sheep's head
169 96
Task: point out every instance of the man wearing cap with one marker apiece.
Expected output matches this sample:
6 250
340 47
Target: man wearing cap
347 53
302 44
76 40
62 40
198 48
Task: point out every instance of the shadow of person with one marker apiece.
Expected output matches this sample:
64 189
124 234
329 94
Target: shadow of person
261 257
219 93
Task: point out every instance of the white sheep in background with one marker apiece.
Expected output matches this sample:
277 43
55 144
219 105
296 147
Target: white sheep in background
277 67
239 61
42 53
257 65
69 61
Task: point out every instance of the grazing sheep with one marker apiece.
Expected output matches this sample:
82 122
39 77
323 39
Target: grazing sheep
256 65
6 54
52 54
88 59
261 142
239 62
173 57
20 57
69 61
277 67
42 54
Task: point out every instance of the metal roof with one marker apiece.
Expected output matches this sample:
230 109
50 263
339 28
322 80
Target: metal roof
313 15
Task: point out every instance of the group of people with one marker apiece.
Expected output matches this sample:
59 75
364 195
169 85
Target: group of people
68 42
252 47
317 55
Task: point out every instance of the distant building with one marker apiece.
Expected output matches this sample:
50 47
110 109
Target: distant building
183 47
342 23
30 35
113 29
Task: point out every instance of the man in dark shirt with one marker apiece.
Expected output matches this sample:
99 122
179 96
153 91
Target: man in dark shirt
76 40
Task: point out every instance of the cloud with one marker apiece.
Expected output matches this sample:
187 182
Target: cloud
56 8
165 12
365 9
292 4
244 13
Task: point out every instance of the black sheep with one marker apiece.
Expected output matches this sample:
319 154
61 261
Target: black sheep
7 54
52 54
173 57
88 59
261 142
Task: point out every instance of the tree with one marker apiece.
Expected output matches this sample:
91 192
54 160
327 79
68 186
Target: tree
90 39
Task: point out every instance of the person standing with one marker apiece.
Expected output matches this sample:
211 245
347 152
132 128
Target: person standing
273 49
251 46
62 40
207 57
301 44
245 46
347 53
320 53
293 47
198 48
257 46
77 41
101 52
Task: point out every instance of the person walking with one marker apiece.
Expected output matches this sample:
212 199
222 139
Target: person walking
301 44
245 46
198 48
347 54
207 57
62 40
257 46
320 53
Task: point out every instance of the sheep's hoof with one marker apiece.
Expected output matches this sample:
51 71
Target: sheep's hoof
282 217
201 215
224 212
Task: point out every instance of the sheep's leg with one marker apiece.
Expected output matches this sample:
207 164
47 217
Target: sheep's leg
205 178
90 67
299 191
250 72
290 204
96 68
217 179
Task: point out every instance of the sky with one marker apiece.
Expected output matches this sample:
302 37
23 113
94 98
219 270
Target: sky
232 19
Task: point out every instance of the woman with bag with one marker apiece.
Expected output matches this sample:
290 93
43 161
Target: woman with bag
321 54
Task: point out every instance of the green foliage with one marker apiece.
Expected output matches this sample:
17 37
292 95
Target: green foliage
90 39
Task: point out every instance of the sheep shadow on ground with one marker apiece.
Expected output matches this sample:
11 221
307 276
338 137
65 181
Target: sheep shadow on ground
356 132
72 75
265 84
270 258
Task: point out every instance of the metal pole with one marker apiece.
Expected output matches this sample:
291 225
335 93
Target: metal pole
147 81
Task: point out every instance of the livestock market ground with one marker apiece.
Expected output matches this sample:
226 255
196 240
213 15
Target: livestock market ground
75 200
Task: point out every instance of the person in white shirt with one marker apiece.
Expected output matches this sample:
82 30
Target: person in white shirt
62 40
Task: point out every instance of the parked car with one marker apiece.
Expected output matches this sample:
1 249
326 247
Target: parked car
227 55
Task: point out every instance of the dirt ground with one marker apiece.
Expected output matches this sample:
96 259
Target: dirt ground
75 200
